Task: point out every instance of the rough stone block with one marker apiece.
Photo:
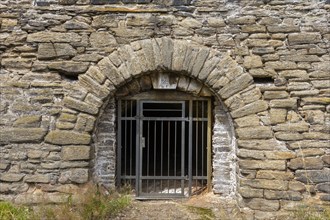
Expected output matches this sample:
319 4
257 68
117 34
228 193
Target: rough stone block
252 62
55 50
284 103
11 177
80 105
292 127
286 195
248 121
289 136
273 174
323 187
309 144
313 176
304 38
263 204
109 70
252 108
236 86
28 121
69 68
248 192
257 132
270 144
265 184
78 175
263 164
102 39
53 37
93 86
37 178
297 186
277 115
276 94
308 163
85 123
76 152
251 154
67 137
281 65
20 135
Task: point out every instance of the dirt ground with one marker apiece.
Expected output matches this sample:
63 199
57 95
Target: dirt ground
207 206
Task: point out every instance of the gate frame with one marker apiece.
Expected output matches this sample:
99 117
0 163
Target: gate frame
170 96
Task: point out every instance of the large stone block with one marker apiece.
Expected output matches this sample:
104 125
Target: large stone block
304 38
257 132
78 175
263 164
274 174
28 121
55 50
263 204
80 105
236 86
313 176
102 39
248 192
265 184
69 68
76 152
292 127
11 177
286 195
37 178
67 137
20 135
270 144
53 37
252 108
308 163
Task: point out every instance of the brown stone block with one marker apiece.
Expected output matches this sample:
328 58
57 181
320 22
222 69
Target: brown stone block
292 127
248 192
286 195
80 105
11 177
263 204
37 178
257 132
19 135
270 144
67 137
251 108
308 163
280 155
263 164
265 184
297 186
289 136
304 38
276 175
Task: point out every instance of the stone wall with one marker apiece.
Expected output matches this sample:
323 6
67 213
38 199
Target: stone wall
266 62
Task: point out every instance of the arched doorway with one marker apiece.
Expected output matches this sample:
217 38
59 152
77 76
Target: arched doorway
164 143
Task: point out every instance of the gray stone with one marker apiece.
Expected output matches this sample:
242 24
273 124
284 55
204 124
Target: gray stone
37 178
78 175
274 174
11 177
323 187
265 184
263 204
314 176
304 38
19 135
69 68
102 39
55 50
248 192
67 138
297 186
28 121
53 37
287 195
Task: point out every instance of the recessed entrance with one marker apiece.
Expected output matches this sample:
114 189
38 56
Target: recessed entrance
164 144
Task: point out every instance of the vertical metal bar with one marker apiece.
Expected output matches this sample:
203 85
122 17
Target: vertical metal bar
138 168
196 142
190 145
161 152
148 152
125 138
183 137
203 140
155 142
209 146
119 147
175 140
131 147
168 154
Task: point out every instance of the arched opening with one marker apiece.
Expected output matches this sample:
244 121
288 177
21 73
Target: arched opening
165 135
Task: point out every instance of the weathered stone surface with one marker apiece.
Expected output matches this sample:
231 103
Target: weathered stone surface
265 184
273 174
69 68
263 164
78 175
297 186
37 178
13 187
277 115
248 192
270 144
251 154
281 65
293 127
76 152
263 204
11 177
236 85
249 109
80 105
258 132
248 121
18 135
314 176
55 50
28 121
284 103
308 163
102 39
288 136
67 138
304 38
275 95
53 37
17 63
309 144
326 159
323 187
252 62
280 155
287 195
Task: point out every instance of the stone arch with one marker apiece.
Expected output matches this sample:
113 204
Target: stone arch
212 68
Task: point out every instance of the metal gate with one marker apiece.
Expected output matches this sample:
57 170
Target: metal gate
164 146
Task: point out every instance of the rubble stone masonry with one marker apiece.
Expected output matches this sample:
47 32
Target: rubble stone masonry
266 62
